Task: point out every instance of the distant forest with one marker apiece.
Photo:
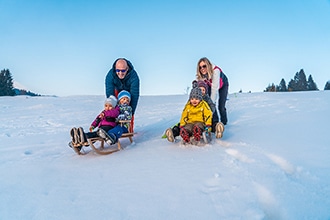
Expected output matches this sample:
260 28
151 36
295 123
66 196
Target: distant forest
298 83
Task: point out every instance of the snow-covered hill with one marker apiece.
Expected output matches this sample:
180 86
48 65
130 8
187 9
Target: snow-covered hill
272 163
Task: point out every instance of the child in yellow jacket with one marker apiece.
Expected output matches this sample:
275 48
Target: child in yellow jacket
196 117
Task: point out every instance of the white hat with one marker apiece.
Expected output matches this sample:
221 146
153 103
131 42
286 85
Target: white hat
111 100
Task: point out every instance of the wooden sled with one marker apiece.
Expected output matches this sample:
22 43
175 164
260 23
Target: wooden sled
110 148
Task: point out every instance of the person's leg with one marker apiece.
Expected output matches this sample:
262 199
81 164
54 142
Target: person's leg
131 128
223 93
186 132
215 119
198 129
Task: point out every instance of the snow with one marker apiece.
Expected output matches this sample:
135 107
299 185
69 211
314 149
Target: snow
272 162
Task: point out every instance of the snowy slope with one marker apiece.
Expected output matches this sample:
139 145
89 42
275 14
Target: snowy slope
272 163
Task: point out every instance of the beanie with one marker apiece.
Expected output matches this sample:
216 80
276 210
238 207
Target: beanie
111 100
203 84
123 94
196 93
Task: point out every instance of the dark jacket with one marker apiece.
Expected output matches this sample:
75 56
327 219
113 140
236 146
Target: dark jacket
131 83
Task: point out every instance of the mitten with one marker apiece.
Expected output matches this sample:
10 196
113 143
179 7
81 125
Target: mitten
91 128
194 84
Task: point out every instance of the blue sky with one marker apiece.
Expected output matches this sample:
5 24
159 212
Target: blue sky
67 47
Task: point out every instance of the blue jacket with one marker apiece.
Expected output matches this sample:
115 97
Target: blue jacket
131 83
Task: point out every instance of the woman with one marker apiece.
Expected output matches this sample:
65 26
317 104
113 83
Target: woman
218 85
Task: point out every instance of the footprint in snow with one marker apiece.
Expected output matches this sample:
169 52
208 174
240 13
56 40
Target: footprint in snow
282 163
239 156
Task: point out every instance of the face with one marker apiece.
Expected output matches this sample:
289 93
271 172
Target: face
202 67
107 106
121 69
194 101
124 100
203 90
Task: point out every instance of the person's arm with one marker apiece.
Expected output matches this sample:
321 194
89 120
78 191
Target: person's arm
135 92
109 84
215 84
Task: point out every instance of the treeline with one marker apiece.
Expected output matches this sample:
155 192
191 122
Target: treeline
298 83
7 88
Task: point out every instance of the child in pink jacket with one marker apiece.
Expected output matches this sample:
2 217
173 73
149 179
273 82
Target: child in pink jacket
105 120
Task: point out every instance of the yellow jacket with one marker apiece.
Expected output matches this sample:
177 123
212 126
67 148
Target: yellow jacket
200 113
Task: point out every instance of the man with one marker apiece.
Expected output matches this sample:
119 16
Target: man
122 76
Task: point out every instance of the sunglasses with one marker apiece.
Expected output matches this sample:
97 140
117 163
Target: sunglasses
118 70
202 67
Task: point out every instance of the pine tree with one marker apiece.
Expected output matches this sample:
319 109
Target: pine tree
311 85
327 86
6 83
270 88
292 86
299 83
282 86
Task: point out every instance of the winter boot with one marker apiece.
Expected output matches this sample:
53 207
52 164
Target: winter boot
169 135
197 132
109 139
82 137
219 129
74 136
185 135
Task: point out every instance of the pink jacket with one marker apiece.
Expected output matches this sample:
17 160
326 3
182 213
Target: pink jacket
109 118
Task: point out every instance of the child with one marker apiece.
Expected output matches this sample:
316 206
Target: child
106 120
196 117
125 114
173 132
217 126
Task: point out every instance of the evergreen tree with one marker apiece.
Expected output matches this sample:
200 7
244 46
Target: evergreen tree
292 86
6 83
327 86
282 86
270 88
299 83
311 85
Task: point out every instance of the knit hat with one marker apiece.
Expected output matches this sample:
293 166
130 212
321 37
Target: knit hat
203 84
196 93
111 100
123 94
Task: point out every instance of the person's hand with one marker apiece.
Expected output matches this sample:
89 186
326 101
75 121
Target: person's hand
91 128
101 115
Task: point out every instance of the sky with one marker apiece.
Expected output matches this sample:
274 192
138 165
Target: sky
272 162
67 47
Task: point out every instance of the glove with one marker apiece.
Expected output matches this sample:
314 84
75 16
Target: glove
194 84
91 128
208 129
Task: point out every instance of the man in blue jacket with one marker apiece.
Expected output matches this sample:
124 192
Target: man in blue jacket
122 76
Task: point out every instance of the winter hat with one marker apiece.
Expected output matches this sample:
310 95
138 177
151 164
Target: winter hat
123 94
111 100
196 93
203 84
